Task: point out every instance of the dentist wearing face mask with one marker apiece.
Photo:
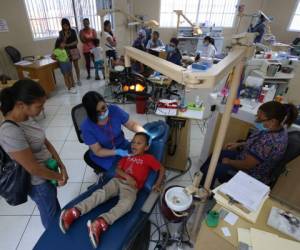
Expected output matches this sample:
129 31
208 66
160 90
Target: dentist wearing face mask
209 49
102 130
262 150
173 53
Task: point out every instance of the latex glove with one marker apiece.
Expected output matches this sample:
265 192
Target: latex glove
121 152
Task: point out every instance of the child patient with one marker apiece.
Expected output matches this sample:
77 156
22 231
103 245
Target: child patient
131 174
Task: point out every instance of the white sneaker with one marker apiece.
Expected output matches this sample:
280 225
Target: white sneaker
73 90
79 83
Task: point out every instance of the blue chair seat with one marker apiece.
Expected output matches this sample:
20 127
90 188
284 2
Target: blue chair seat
77 237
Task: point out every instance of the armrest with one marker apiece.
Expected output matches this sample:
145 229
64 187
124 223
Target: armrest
150 181
28 57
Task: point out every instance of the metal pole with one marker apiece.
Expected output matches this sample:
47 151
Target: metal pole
220 140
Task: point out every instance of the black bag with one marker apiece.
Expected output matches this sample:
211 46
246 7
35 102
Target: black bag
14 179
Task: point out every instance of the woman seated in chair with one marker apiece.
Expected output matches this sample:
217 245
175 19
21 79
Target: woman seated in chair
102 130
264 148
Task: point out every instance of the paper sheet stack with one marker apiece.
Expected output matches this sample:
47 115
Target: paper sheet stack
247 191
260 240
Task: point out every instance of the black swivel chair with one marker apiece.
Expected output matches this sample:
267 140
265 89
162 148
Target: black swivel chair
292 151
78 116
15 54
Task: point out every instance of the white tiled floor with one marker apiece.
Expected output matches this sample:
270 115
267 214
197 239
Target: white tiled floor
20 227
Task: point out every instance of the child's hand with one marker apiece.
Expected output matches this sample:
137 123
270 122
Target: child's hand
131 181
156 188
64 180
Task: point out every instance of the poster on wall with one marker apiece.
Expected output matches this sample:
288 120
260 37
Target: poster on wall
3 25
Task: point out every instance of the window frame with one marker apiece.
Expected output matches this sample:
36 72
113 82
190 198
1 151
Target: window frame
197 17
292 17
77 26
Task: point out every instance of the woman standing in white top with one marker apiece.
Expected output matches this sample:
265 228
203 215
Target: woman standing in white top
110 42
208 50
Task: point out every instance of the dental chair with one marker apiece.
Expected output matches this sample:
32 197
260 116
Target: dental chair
125 232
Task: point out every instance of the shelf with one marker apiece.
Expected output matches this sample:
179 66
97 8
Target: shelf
278 75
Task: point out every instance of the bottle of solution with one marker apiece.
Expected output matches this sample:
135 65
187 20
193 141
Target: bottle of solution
263 93
271 94
198 102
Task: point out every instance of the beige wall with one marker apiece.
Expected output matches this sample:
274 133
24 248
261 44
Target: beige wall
19 35
152 9
281 10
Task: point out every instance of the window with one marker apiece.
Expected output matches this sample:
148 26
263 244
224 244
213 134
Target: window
217 12
45 15
295 22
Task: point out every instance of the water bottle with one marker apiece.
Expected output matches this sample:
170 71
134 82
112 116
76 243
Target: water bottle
52 164
198 102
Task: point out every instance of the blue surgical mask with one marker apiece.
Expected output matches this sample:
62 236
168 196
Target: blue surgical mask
260 126
104 116
170 48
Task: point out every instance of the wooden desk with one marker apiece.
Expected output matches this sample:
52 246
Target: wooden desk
159 52
8 84
213 239
40 69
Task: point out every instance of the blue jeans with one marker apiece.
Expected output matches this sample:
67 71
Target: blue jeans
99 65
224 172
45 197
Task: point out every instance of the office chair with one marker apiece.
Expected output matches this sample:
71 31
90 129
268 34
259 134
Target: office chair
78 116
292 151
15 54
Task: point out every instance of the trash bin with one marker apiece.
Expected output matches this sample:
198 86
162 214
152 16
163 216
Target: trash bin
140 102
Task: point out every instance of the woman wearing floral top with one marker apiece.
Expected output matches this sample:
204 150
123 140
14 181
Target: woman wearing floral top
262 150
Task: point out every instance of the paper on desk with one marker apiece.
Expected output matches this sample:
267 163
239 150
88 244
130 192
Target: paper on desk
244 236
252 216
231 218
23 63
246 190
192 114
262 240
226 231
166 111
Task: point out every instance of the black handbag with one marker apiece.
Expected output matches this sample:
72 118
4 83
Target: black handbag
14 179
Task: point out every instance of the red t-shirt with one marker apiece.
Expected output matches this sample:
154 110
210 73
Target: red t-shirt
139 167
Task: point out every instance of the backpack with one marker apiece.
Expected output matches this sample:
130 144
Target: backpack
14 179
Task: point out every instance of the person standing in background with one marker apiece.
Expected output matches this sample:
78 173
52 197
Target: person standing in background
87 36
23 139
154 42
69 37
97 52
139 42
110 41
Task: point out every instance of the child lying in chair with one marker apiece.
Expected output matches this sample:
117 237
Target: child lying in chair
131 174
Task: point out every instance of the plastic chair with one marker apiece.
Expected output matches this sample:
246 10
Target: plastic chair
78 116
292 151
15 54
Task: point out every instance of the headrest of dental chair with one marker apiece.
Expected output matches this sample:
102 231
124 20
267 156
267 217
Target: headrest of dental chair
157 130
